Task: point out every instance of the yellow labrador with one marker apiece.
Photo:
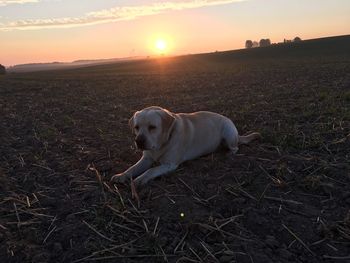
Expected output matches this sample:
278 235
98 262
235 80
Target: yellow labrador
170 139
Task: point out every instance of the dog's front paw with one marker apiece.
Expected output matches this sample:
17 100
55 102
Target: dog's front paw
119 178
141 180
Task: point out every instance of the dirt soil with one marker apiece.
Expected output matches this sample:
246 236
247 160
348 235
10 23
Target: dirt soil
284 198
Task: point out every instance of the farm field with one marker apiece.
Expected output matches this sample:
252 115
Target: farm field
284 198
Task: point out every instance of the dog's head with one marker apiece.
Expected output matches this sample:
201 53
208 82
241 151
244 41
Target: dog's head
152 127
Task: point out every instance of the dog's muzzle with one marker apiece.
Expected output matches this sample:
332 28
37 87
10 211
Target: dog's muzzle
140 142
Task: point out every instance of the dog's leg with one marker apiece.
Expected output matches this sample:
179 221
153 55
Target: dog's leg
155 172
142 165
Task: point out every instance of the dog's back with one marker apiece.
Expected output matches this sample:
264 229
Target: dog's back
202 132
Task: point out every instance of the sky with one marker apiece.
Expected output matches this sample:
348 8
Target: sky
37 31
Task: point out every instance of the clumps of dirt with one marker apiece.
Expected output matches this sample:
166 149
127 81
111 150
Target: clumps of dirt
284 198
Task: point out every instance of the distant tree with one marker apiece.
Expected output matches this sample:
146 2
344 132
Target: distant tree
297 39
262 43
265 42
248 44
2 70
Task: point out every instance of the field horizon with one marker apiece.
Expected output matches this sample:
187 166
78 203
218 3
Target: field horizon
323 43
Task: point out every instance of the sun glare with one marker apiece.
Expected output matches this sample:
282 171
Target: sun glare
161 45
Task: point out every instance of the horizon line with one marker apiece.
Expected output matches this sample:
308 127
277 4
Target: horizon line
162 55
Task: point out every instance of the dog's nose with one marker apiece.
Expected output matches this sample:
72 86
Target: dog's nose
140 142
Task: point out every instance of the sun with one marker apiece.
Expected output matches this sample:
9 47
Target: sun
161 45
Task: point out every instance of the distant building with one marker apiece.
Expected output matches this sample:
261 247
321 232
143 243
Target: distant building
297 39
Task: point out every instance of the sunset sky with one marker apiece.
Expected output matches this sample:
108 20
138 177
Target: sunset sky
67 30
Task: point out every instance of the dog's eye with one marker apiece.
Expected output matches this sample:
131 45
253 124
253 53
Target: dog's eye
151 127
136 128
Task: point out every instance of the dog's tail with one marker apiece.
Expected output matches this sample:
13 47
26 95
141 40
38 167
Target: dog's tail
248 138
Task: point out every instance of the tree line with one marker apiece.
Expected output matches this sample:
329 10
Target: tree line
267 42
2 70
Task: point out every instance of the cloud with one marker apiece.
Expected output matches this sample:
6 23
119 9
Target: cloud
9 2
137 11
109 15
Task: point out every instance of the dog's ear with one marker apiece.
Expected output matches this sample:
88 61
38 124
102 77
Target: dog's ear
168 121
131 123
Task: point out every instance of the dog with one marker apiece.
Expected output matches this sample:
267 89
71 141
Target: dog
172 138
